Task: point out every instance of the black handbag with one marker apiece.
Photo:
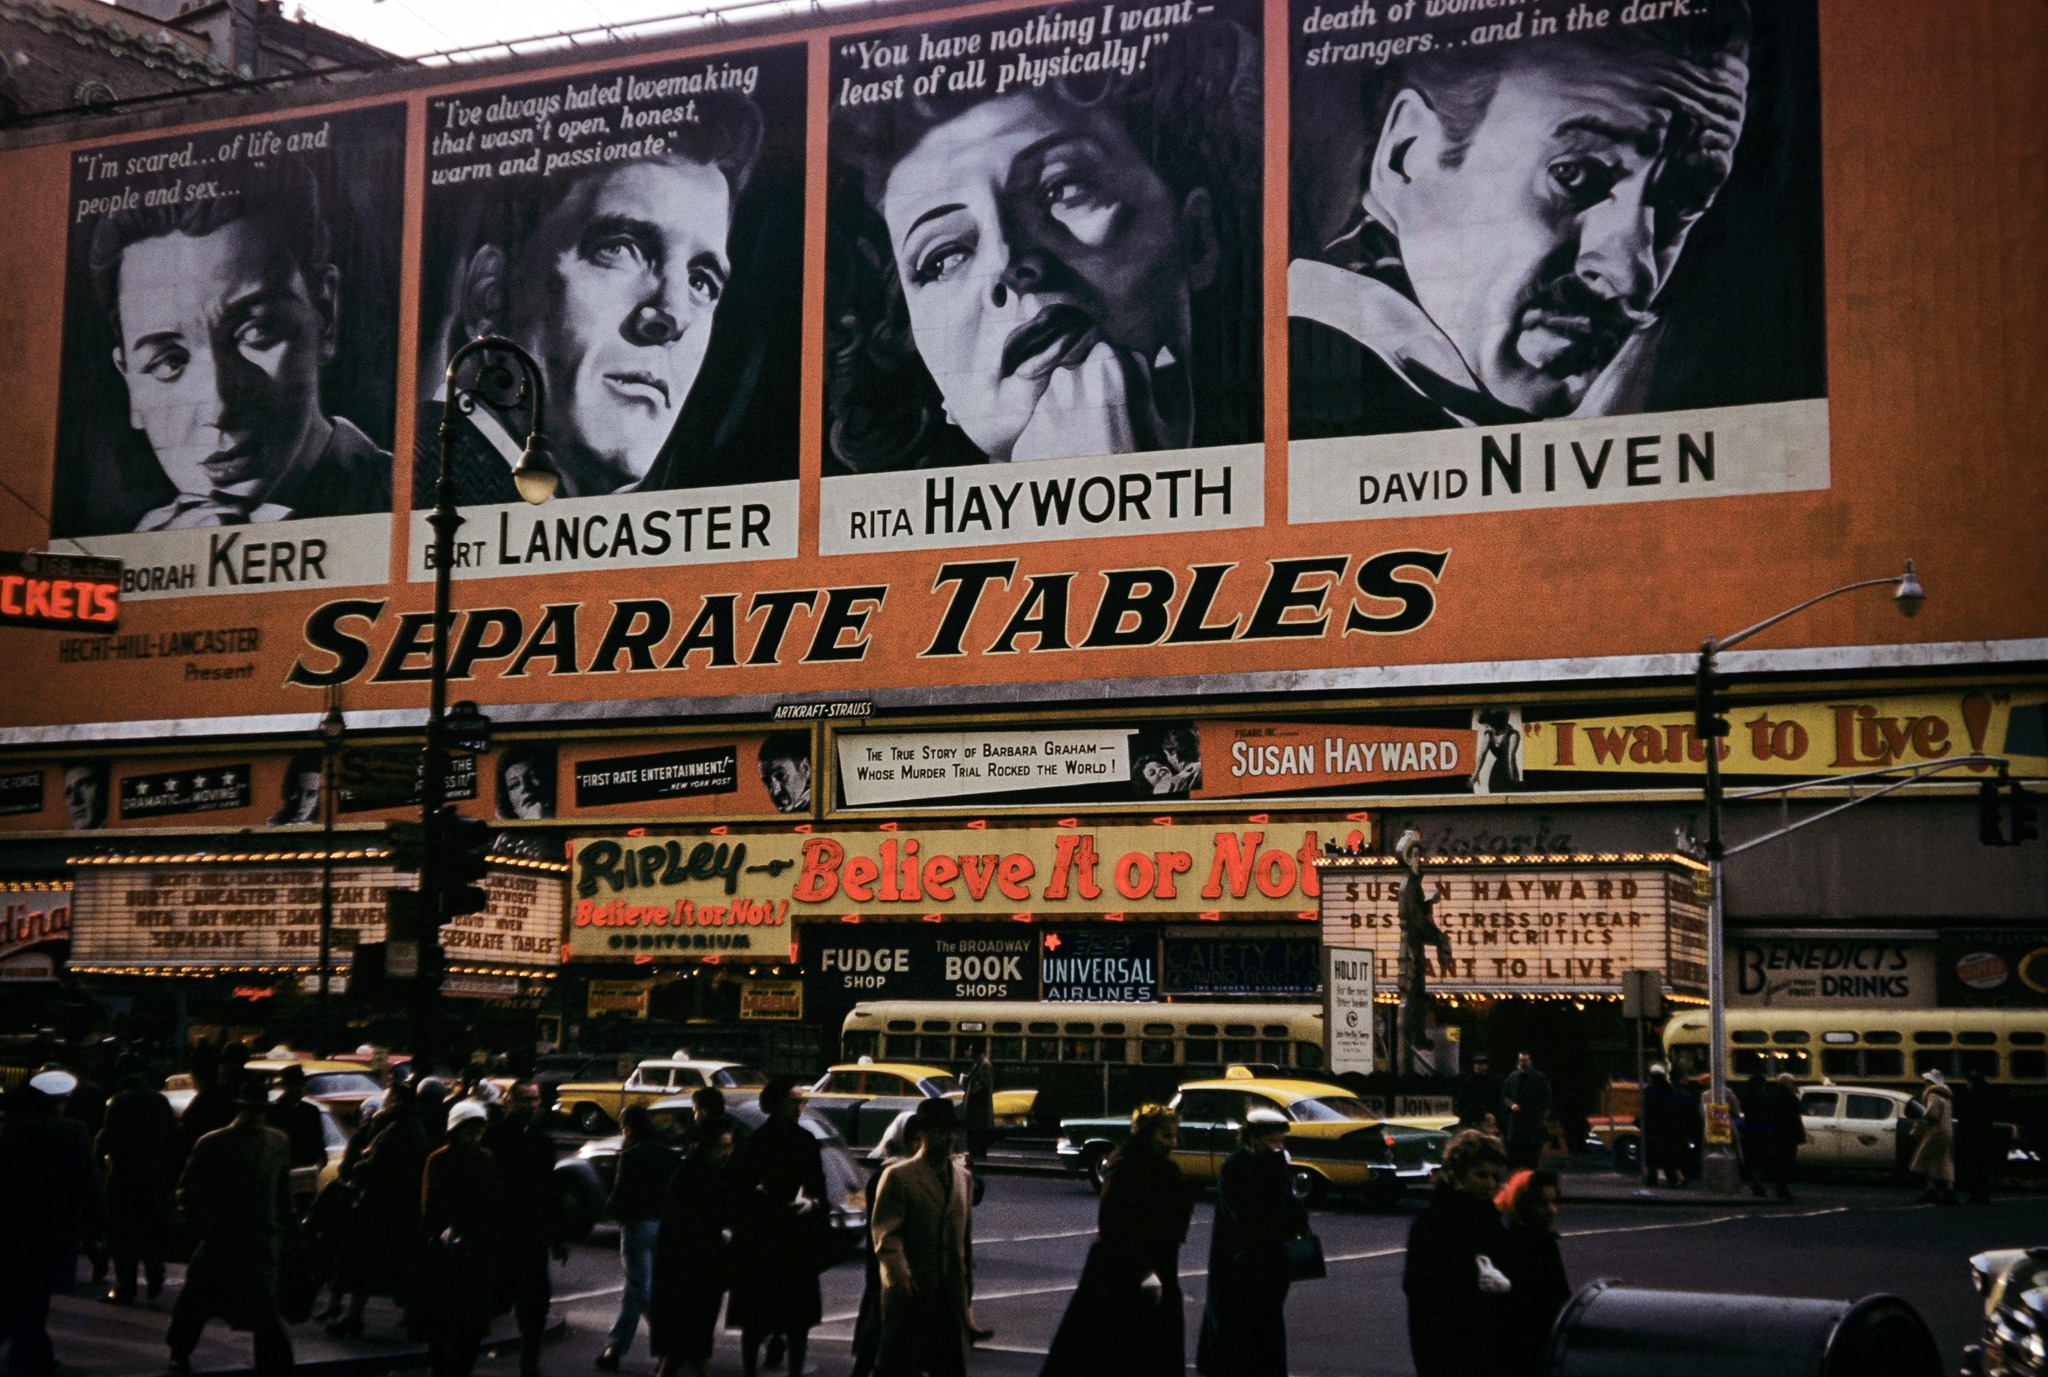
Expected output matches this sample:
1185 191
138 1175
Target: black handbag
1305 1257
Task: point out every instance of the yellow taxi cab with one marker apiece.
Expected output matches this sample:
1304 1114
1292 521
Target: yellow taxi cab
862 1098
1335 1142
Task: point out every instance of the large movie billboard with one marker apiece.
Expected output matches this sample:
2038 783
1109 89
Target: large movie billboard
1032 351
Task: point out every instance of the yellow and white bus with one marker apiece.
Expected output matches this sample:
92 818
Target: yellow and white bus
1870 1046
1089 1058
1888 1048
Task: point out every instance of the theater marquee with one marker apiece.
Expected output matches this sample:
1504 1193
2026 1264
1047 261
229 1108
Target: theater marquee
1531 927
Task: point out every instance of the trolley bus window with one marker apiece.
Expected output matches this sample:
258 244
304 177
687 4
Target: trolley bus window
1043 1049
1974 1037
1239 1030
2027 1039
1836 1061
1202 1051
1308 1056
1201 1030
1885 1036
938 1049
2028 1064
1274 1053
1978 1062
1739 1036
1080 1049
1009 1026
902 1025
1932 1037
1159 1030
1240 1050
1930 1059
863 1044
1790 1037
1006 1049
1273 1030
1885 1062
1047 1027
1156 1052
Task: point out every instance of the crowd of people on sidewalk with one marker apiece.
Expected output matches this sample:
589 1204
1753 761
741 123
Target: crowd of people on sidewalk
445 1203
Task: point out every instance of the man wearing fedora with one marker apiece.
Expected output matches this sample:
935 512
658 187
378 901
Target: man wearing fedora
236 1193
920 1231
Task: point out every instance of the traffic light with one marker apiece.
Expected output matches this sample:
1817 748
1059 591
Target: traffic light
406 843
1709 706
2021 804
1990 817
455 865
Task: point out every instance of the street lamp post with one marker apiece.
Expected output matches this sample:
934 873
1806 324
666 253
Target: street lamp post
332 726
536 480
1720 1172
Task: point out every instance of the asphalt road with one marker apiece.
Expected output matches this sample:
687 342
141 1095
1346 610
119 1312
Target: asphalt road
1033 1232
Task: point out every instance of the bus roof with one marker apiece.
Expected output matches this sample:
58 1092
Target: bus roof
1904 1020
1022 1009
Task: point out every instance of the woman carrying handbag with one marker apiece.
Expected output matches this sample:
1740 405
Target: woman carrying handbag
1261 1243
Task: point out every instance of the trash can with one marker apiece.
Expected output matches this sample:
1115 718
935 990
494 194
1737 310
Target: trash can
1611 1330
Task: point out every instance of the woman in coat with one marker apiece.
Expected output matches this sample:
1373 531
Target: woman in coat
1457 1295
691 1257
1934 1156
1125 1318
455 1268
1534 1266
1669 1120
376 1249
919 1227
780 1237
1244 1323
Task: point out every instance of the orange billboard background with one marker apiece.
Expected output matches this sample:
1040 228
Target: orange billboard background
1934 385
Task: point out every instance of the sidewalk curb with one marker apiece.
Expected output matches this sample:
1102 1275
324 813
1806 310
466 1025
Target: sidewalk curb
395 1360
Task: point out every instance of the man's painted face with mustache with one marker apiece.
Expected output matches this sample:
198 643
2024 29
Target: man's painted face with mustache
615 297
1544 247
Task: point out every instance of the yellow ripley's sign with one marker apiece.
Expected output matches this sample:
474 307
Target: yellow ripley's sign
1836 736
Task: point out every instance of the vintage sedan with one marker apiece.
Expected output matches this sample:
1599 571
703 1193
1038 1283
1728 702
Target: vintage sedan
338 1087
594 1106
1857 1127
863 1098
584 1181
1335 1143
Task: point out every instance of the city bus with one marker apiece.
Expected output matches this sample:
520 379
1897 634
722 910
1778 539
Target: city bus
1889 1048
1093 1059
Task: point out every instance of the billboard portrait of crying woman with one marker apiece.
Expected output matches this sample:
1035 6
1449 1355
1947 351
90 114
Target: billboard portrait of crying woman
1044 238
229 330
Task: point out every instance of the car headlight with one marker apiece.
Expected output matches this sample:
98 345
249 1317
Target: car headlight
1065 1144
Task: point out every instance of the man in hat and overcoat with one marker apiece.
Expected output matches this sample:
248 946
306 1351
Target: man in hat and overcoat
52 1196
920 1230
236 1194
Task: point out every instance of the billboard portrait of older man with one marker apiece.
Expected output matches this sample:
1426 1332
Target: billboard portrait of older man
221 374
1505 237
617 274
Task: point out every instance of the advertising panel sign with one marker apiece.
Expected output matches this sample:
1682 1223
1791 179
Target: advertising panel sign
35 928
659 889
230 355
1347 1012
258 917
1821 969
2000 968
846 963
1520 927
873 430
1102 964
1217 963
